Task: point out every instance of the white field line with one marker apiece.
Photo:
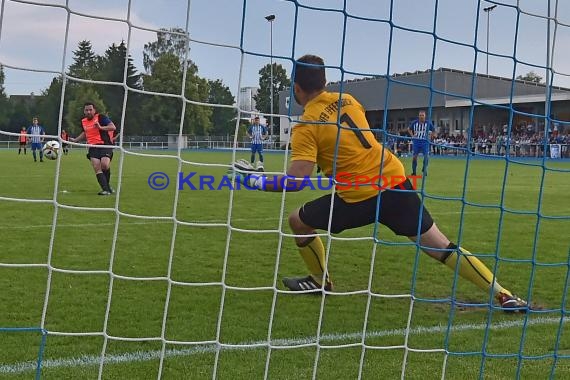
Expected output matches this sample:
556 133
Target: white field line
32 226
144 356
61 225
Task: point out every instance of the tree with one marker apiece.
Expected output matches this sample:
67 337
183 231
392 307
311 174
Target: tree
86 65
173 40
113 70
531 77
21 113
223 119
171 45
280 82
164 112
85 61
198 119
75 108
49 104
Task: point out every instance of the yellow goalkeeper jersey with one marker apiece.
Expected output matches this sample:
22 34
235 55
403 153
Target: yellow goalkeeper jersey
359 154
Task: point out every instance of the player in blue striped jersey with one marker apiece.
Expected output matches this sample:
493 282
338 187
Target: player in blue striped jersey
257 133
35 136
421 132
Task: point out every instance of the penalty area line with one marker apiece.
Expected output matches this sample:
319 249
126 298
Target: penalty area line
144 356
124 223
156 221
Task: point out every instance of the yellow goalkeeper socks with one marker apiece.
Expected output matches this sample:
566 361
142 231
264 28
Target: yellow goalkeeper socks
313 254
472 269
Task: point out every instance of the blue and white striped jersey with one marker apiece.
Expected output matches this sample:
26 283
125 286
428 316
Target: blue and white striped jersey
36 130
421 131
257 132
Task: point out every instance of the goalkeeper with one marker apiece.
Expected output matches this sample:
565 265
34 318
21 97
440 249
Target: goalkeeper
314 141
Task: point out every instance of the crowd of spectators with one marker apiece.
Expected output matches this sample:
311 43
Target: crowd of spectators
521 142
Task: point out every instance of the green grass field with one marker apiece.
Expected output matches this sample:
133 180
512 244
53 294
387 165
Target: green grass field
218 284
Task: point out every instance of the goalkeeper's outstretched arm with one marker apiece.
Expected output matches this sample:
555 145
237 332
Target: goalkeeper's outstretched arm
300 169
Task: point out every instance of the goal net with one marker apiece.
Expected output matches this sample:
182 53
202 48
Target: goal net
178 275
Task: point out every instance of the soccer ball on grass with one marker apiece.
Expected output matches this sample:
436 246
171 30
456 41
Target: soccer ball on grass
51 150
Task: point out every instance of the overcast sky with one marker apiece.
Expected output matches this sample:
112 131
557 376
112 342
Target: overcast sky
33 37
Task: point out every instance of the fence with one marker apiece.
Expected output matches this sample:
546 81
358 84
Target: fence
200 144
402 148
489 149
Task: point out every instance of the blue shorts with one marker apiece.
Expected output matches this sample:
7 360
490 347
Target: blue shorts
420 147
256 148
36 146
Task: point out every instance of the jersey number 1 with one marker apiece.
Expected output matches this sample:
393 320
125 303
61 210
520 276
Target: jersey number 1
344 118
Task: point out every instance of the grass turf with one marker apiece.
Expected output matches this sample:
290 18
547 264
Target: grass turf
173 254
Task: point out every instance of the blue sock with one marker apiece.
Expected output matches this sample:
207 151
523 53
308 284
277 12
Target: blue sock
414 165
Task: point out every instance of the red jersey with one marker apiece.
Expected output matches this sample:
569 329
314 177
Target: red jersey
94 135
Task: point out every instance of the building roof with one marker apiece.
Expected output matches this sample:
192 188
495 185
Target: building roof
449 88
29 98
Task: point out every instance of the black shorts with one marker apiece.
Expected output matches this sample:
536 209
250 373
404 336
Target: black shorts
399 211
22 143
99 153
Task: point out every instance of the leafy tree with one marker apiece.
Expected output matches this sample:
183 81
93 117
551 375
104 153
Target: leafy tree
75 109
21 114
263 96
173 40
223 119
198 119
164 113
170 48
49 104
531 77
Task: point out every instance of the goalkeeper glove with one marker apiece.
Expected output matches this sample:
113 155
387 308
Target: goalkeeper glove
243 172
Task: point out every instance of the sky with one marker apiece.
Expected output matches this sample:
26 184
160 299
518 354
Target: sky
361 39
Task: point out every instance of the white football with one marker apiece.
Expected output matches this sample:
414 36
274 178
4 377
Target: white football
51 150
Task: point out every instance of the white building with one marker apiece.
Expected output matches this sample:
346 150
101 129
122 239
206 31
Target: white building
246 100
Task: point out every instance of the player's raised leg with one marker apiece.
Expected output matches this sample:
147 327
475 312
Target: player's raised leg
403 213
438 246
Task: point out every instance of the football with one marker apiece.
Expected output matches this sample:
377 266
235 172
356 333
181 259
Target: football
51 150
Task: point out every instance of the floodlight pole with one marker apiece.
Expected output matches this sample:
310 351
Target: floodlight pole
488 10
271 18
